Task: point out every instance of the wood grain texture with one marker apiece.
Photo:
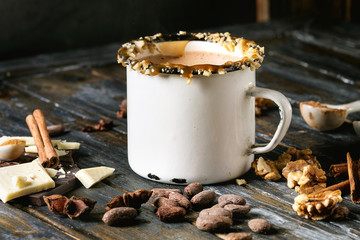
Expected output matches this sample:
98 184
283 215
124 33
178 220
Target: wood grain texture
311 61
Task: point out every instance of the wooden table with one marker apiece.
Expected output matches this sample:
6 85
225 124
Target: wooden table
304 60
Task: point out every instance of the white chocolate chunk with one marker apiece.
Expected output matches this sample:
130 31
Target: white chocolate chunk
52 172
68 145
33 149
36 175
90 176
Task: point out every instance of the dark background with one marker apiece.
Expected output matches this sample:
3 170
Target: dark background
31 27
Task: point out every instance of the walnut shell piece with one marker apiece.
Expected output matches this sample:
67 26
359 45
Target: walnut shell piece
317 206
266 169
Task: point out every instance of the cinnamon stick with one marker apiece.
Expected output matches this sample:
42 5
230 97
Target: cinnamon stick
37 125
341 169
343 186
337 170
35 132
353 171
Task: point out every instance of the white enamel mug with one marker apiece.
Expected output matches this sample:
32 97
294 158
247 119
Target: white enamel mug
204 131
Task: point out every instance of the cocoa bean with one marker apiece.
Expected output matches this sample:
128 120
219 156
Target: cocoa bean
232 198
215 212
170 214
119 216
259 225
238 210
340 213
164 202
180 199
162 192
239 236
203 199
213 223
192 189
221 204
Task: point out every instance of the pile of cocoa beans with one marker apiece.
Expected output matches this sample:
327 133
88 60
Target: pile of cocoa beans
172 206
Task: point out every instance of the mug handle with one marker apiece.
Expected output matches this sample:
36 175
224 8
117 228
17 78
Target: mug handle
285 117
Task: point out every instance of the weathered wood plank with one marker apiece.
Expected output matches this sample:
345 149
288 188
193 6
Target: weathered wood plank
15 224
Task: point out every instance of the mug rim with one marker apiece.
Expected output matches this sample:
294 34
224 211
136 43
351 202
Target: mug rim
253 54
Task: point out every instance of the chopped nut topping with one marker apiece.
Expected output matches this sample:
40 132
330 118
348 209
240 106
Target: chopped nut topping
317 206
266 169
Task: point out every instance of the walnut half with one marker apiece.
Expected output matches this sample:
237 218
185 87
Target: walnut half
317 206
304 177
266 169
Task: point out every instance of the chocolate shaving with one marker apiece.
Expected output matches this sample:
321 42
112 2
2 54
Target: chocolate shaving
123 110
101 126
134 199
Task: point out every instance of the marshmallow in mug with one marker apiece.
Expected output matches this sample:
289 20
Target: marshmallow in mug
203 132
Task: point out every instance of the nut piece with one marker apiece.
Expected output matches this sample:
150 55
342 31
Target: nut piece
238 210
192 189
312 180
203 199
163 192
232 198
259 225
266 169
180 199
262 104
239 236
317 206
241 182
119 216
164 202
213 223
215 212
170 214
292 154
304 177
